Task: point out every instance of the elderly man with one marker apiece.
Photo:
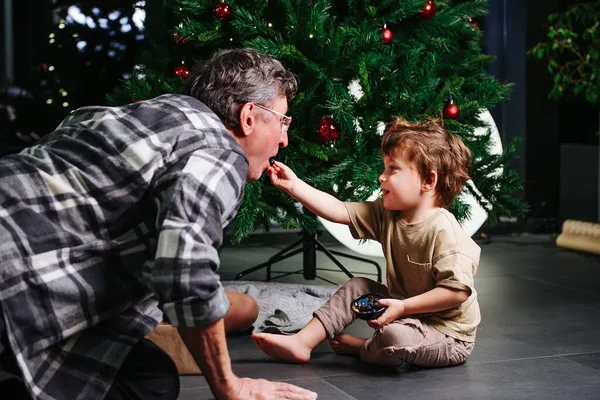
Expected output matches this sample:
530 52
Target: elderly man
118 214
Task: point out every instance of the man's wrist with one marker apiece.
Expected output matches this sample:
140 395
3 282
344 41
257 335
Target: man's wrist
226 388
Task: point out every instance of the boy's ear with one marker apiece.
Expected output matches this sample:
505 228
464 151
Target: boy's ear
430 181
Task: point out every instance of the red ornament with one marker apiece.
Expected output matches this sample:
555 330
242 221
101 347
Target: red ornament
223 11
328 130
178 38
474 24
182 71
386 35
451 110
429 10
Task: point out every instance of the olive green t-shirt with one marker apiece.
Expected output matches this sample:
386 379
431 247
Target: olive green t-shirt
421 256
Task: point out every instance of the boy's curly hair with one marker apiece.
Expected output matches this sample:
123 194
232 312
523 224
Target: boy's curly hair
431 148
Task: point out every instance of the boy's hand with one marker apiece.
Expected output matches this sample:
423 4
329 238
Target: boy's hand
281 176
395 310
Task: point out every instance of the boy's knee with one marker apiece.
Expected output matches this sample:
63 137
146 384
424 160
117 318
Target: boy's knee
360 284
395 345
402 335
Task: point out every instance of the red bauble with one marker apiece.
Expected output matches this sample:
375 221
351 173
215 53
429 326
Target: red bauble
223 11
178 38
182 71
328 130
451 111
474 24
429 10
386 35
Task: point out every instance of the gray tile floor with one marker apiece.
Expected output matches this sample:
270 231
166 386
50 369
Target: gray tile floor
539 338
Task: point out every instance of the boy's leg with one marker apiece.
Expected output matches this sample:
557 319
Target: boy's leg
328 321
336 314
148 373
411 341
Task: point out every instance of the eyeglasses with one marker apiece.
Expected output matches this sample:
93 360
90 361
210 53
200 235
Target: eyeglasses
285 121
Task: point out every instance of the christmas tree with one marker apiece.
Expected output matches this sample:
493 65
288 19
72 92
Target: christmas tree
359 64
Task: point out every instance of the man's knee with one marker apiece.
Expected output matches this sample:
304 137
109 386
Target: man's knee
243 311
250 307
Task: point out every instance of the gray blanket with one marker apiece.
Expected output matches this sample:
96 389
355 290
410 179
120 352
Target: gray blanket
284 308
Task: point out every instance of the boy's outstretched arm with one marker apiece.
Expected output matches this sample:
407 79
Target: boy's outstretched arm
322 204
437 299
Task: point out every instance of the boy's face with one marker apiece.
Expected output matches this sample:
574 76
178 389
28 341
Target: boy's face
400 182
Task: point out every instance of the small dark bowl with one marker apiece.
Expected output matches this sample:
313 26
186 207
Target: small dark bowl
367 306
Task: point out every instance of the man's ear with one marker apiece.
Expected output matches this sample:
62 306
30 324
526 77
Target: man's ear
247 118
430 181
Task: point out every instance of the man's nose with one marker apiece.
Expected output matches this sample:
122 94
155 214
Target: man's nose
381 178
283 142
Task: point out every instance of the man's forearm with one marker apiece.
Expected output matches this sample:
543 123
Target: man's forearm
208 346
437 299
322 204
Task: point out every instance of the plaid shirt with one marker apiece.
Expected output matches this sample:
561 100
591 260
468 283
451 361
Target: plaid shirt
117 210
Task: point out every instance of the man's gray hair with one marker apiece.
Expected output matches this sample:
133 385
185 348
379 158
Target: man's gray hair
234 77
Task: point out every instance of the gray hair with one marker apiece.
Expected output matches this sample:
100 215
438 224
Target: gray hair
234 77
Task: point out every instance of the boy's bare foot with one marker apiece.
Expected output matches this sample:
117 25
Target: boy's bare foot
347 344
287 348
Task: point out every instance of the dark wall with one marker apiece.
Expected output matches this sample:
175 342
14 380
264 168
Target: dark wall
2 47
29 23
542 124
505 33
511 28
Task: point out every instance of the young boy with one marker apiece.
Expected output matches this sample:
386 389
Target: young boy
432 311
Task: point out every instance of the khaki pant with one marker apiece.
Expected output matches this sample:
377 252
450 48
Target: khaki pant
405 341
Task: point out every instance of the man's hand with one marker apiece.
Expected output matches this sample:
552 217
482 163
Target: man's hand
208 347
261 389
395 310
281 176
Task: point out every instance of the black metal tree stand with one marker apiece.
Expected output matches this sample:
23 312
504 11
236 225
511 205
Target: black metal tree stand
309 247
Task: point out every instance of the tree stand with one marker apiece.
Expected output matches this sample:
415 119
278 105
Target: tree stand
309 246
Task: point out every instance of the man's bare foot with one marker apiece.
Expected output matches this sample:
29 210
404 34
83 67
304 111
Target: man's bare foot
347 344
286 348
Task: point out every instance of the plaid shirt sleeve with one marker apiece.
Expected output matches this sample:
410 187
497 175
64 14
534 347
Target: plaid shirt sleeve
200 201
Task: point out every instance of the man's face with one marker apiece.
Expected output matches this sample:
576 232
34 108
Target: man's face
267 137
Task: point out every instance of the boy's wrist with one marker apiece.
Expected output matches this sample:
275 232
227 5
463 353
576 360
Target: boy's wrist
400 308
292 190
